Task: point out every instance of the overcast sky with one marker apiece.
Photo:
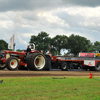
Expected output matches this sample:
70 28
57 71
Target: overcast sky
56 17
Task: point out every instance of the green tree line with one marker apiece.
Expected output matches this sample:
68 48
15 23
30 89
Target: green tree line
74 44
3 45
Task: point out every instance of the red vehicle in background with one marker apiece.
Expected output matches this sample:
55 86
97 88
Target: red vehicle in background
85 61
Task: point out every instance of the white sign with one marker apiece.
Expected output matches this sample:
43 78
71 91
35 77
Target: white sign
89 62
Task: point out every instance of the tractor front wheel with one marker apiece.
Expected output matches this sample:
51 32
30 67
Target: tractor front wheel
2 66
12 63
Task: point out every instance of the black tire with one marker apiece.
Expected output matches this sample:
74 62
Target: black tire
64 66
48 66
48 63
12 63
36 61
97 67
2 66
54 66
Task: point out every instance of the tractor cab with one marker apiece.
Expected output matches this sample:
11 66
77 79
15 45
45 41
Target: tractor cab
31 49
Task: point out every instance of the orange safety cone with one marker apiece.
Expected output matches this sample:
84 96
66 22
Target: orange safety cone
90 75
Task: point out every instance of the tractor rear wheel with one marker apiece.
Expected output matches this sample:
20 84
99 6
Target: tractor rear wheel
12 63
36 61
2 66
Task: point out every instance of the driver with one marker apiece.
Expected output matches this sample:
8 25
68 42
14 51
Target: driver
28 51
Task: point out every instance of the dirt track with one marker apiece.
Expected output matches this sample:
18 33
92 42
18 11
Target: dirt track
27 73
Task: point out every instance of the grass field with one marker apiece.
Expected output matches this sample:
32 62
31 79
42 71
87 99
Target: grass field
49 88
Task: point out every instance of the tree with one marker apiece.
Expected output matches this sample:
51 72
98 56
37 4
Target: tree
96 46
78 44
42 41
91 48
3 45
18 50
59 42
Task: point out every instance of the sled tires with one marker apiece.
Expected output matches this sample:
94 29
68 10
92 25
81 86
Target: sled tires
36 61
12 63
97 67
64 66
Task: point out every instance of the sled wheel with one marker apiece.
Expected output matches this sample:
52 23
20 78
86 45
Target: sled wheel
64 66
2 66
97 67
36 61
12 63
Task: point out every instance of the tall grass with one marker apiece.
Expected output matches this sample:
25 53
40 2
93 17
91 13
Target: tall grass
49 88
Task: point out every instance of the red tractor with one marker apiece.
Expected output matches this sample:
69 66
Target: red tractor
21 60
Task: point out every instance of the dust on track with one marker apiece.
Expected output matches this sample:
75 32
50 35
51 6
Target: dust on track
28 73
